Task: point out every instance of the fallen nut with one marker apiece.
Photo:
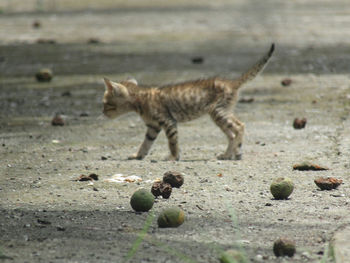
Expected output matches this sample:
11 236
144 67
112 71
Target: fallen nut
93 40
142 200
155 190
307 166
171 217
46 41
36 24
328 183
286 82
281 188
44 75
299 123
161 188
91 177
175 179
197 60
165 190
57 120
284 247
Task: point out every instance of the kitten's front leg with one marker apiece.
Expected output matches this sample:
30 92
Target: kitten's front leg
171 133
151 135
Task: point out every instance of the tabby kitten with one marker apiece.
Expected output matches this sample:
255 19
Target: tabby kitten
164 107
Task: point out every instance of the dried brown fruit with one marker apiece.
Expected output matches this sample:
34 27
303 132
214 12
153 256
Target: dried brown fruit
155 190
36 24
328 183
197 60
307 166
93 40
46 41
57 121
175 179
161 188
284 247
165 190
91 177
299 123
66 94
286 82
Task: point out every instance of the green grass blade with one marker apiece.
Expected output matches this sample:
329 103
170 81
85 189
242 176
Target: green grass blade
141 237
172 251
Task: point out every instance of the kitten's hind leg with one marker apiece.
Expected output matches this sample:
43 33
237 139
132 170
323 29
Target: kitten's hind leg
151 135
238 129
234 130
170 129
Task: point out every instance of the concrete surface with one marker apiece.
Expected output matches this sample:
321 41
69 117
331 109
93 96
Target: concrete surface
47 217
341 247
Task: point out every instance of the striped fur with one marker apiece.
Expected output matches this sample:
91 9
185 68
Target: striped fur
164 107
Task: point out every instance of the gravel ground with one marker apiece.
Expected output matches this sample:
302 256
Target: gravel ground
46 216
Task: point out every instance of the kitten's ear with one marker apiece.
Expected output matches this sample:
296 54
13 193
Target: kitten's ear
121 90
116 89
108 84
132 80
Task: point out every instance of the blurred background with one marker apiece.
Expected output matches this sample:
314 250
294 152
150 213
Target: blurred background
133 36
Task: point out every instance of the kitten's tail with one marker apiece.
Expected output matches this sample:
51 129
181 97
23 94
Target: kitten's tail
257 68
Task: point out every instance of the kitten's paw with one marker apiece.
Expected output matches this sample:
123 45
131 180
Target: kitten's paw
225 157
238 157
135 157
172 158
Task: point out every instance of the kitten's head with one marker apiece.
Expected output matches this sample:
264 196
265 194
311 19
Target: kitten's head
116 99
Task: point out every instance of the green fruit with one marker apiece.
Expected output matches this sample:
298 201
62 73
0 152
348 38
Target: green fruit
142 200
281 188
232 256
171 217
44 75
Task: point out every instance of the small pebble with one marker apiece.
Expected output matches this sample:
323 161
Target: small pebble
259 258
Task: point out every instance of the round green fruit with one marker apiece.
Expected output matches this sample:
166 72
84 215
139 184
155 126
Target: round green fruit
232 256
171 217
44 75
281 188
142 200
